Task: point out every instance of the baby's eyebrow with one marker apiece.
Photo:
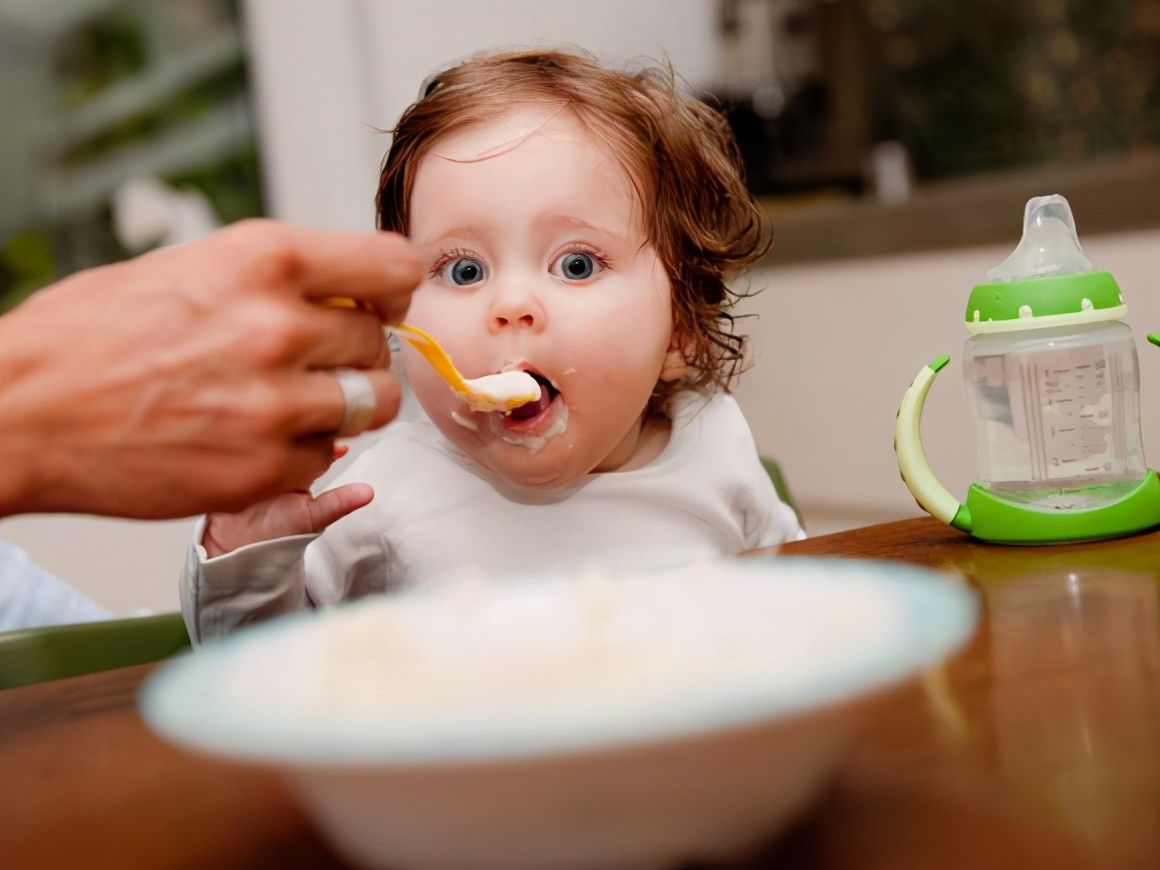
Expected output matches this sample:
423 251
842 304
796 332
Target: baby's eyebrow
455 233
554 219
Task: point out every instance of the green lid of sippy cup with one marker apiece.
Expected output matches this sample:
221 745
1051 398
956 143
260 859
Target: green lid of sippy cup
1047 280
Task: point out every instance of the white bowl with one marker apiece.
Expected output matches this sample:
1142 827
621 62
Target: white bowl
642 721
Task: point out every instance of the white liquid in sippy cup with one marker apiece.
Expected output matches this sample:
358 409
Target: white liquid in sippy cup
1059 414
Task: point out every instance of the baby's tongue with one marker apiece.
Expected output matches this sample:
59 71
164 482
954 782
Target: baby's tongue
531 409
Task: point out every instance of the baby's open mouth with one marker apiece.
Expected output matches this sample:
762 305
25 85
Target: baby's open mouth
539 406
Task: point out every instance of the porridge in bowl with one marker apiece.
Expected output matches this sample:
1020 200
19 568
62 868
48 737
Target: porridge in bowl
632 721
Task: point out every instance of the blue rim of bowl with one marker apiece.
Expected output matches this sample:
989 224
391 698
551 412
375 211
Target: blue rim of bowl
179 701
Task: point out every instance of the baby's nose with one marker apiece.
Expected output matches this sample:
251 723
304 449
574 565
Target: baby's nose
526 319
517 309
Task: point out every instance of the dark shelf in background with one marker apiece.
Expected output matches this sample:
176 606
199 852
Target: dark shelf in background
1106 197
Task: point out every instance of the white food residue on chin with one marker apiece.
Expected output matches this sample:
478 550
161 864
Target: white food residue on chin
465 422
534 443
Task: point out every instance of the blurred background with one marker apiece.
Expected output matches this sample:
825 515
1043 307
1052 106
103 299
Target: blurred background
892 142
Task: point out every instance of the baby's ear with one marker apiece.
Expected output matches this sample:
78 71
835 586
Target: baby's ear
676 364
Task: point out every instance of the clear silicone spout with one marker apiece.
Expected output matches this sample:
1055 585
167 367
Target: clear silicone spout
1049 247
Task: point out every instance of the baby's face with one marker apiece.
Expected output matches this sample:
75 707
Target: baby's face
539 262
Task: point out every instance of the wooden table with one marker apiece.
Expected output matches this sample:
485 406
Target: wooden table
1038 746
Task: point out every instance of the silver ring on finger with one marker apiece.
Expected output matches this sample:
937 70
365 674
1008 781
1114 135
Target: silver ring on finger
358 393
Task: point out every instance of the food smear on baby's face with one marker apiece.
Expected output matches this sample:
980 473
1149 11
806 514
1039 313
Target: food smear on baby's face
544 428
530 424
465 422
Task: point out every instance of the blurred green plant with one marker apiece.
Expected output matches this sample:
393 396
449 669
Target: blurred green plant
187 104
232 186
117 45
90 59
26 264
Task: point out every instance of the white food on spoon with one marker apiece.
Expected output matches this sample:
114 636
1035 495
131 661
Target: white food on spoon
497 392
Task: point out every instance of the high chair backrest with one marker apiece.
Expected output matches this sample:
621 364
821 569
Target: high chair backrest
779 484
35 655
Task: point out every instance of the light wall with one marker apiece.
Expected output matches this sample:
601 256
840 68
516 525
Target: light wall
328 84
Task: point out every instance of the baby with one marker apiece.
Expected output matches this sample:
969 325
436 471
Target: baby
582 224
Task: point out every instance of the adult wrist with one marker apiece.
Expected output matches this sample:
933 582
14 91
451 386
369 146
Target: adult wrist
15 486
20 451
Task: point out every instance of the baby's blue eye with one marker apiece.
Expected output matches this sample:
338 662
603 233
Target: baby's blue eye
577 266
465 270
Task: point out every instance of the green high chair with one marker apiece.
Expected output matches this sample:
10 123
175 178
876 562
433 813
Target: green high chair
36 655
778 479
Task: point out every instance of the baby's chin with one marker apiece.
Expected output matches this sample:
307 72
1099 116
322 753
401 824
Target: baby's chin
550 463
553 467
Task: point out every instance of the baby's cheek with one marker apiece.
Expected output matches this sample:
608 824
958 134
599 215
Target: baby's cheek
431 390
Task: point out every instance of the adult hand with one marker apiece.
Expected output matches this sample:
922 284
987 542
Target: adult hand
195 378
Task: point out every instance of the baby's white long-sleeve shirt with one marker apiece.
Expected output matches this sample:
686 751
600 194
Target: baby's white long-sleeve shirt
438 515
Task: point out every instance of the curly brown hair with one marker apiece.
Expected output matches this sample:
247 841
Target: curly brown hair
678 151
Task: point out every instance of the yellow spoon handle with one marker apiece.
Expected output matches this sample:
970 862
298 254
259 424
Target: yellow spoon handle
422 341
434 353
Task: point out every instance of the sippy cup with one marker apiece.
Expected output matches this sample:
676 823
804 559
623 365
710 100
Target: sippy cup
1054 384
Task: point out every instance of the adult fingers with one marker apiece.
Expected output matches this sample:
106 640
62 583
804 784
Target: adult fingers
320 405
342 337
380 269
300 463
